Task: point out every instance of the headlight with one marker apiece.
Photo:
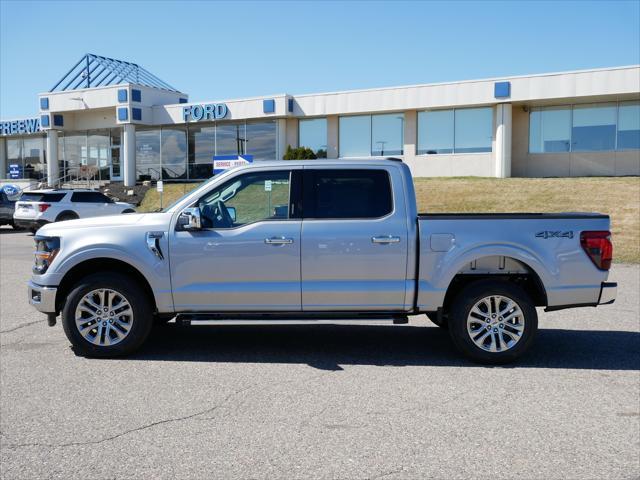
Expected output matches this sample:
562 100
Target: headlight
46 250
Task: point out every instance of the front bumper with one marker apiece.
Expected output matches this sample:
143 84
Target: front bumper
42 298
608 292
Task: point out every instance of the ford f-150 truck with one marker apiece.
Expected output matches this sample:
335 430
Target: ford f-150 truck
318 241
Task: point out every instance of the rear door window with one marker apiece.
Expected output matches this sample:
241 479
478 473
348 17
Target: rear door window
89 197
342 194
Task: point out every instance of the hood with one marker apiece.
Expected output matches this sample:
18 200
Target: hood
154 220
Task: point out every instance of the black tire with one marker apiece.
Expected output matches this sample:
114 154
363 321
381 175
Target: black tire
66 216
16 227
461 309
140 304
442 322
128 210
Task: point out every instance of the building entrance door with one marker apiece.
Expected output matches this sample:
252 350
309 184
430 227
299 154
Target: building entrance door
116 170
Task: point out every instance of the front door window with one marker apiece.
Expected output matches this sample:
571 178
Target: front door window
249 198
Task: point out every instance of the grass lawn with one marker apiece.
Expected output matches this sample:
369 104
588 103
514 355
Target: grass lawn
172 192
618 197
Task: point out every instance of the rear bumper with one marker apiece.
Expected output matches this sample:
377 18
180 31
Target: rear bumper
29 224
608 292
42 298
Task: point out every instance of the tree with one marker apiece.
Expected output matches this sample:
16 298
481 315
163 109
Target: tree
299 153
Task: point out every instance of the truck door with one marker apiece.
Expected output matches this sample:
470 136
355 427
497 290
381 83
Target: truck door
246 257
354 241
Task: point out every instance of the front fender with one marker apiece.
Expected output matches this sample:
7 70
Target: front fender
154 270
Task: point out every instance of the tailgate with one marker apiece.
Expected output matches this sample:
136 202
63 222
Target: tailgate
26 210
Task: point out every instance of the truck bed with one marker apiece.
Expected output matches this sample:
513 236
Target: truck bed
543 245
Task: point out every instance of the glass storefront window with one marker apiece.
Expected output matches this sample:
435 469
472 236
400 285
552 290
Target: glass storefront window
629 125
261 140
387 134
435 132
461 130
75 154
148 154
594 127
355 136
14 154
550 130
34 158
231 139
312 133
30 156
202 148
473 130
98 158
174 153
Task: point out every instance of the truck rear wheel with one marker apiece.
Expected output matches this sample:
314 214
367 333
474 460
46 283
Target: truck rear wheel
493 322
106 315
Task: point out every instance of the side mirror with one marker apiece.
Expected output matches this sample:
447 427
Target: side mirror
190 219
232 213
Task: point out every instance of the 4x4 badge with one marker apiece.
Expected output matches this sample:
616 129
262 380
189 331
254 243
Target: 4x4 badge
554 234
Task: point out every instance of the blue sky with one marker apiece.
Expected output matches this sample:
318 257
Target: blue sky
214 50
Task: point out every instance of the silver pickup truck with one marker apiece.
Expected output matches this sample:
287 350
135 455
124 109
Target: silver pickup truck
318 241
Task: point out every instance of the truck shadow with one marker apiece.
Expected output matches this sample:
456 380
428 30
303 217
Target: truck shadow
327 347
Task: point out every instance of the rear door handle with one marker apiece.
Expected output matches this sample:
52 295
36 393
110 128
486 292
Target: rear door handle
278 241
385 239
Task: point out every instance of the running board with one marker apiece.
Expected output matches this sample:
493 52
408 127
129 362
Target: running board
216 319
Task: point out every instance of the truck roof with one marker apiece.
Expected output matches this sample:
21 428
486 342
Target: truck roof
326 162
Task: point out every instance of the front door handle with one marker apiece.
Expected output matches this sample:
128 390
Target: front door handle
278 241
385 239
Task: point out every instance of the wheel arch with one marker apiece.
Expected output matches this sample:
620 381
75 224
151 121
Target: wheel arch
102 264
497 267
66 212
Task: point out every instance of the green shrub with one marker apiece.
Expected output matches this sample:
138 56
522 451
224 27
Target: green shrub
300 153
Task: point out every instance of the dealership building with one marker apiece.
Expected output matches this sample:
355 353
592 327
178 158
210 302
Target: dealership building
113 120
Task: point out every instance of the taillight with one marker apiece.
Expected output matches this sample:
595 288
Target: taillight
43 206
598 247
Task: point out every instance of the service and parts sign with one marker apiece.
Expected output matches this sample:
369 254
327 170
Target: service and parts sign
225 162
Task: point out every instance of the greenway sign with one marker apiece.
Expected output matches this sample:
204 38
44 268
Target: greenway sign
209 111
20 127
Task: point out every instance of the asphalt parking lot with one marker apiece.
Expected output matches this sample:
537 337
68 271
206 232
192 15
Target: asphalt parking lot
390 402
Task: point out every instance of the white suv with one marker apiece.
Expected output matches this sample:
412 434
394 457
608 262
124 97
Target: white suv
36 208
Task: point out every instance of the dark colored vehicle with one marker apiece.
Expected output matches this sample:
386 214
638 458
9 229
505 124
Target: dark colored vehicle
7 207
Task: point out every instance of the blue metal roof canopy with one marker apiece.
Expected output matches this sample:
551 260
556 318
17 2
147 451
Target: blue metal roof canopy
97 71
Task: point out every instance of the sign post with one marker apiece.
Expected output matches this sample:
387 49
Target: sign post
268 186
160 189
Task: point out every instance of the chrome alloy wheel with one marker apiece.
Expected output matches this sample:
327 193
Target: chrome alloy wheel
104 317
495 323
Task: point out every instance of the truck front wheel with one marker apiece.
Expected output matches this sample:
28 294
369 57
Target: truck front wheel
493 322
106 315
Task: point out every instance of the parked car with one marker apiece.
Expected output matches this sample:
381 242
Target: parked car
7 206
39 207
323 240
